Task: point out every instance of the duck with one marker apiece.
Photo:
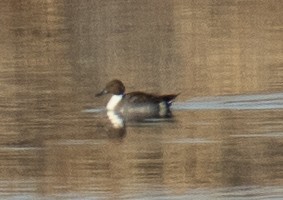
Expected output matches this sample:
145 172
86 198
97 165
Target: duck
136 104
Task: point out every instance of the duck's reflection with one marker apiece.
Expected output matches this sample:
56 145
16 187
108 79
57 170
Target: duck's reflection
118 125
116 119
119 121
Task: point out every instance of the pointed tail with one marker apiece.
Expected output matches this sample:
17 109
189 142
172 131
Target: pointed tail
169 98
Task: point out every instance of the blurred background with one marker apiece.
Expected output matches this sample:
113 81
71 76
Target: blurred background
56 54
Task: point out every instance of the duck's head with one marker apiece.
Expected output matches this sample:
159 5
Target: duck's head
115 87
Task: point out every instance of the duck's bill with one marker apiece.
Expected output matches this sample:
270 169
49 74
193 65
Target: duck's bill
101 93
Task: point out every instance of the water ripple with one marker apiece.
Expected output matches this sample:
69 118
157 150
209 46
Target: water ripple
237 102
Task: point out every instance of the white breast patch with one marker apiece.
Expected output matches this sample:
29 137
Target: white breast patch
113 102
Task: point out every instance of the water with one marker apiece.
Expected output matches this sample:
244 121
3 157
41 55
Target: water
225 139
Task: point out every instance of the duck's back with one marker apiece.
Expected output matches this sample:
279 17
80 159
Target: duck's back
141 97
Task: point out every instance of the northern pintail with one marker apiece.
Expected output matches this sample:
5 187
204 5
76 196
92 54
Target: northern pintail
136 104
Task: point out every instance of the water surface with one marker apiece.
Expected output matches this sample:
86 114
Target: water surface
225 139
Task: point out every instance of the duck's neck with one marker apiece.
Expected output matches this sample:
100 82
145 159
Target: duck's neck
114 101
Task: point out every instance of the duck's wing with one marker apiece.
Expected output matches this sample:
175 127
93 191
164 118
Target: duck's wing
140 98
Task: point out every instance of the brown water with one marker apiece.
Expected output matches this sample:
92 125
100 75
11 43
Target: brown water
225 140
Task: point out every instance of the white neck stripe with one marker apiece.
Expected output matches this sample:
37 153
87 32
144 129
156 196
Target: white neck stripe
114 101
